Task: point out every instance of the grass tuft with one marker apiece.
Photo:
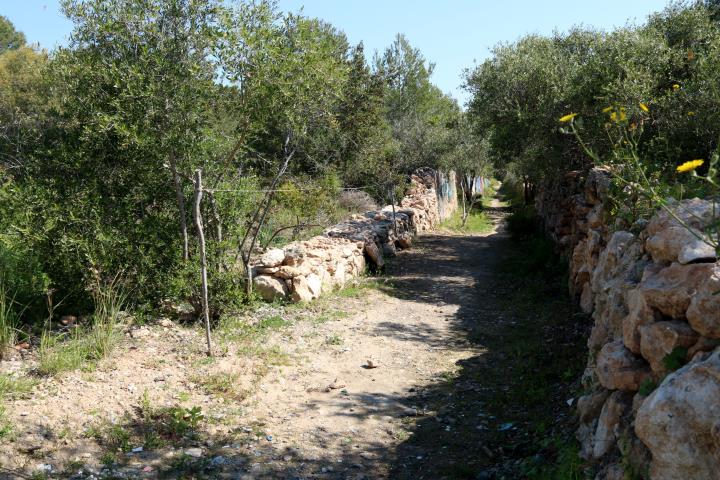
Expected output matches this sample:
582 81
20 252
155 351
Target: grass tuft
222 384
477 222
8 321
84 347
14 387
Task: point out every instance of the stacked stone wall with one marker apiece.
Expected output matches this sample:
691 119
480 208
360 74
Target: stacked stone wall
651 405
303 270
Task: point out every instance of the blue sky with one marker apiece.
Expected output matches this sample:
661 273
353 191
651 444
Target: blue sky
453 34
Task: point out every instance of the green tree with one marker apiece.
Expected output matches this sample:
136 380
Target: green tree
24 105
669 65
132 92
365 135
420 116
10 38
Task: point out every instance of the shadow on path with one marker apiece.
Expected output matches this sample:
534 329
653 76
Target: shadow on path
504 412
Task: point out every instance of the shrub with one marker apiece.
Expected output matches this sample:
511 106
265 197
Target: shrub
356 201
670 65
522 222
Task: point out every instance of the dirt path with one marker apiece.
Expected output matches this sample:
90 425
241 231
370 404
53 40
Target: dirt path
471 373
414 330
473 379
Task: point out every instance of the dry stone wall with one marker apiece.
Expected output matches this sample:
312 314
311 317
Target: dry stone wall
653 291
302 271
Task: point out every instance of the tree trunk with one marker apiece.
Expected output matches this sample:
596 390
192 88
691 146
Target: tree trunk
392 203
464 211
259 217
203 259
181 206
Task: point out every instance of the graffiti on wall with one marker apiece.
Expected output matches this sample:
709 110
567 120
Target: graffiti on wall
446 193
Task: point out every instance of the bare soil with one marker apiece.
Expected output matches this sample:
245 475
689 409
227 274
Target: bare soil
442 367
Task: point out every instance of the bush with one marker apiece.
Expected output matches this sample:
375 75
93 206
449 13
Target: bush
522 222
356 201
23 280
670 65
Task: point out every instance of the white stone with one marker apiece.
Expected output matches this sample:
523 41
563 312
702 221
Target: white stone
273 257
270 288
680 423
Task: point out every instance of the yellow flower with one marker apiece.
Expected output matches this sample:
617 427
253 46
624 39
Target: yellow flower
691 114
644 107
676 86
607 109
568 117
689 166
618 116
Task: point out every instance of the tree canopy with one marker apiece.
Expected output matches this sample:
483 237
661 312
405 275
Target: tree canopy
668 65
100 139
10 39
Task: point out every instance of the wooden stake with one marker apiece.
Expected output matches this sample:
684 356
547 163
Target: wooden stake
203 258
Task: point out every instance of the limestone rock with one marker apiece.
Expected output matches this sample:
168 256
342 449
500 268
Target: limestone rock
586 299
314 284
680 423
273 257
339 277
270 288
678 244
260 270
637 402
614 275
375 254
704 310
694 213
703 344
697 250
639 314
595 216
301 290
606 434
294 255
659 339
358 262
589 406
405 241
287 271
670 289
597 185
619 369
579 272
